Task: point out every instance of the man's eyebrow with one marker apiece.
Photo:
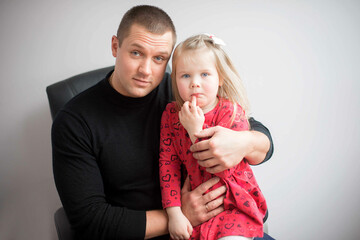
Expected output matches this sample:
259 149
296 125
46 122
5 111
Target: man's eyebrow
142 47
137 45
164 53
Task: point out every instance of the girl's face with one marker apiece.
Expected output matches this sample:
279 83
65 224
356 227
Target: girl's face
196 75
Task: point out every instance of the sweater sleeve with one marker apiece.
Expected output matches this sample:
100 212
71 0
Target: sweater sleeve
169 162
258 126
80 186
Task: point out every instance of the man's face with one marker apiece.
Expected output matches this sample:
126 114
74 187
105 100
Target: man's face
140 61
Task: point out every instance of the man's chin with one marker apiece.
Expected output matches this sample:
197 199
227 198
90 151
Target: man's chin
139 93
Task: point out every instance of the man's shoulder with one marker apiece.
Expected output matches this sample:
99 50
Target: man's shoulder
87 97
164 87
82 103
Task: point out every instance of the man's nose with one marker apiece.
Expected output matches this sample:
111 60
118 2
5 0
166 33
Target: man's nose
145 67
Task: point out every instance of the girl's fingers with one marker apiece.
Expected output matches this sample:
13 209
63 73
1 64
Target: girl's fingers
193 103
185 107
199 110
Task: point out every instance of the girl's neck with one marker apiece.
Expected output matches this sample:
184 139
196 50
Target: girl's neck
210 107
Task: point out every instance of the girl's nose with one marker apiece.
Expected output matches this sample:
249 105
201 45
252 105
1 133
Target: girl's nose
194 84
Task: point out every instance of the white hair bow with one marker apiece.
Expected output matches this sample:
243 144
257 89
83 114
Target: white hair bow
216 40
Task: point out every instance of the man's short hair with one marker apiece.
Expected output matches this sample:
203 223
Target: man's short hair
154 19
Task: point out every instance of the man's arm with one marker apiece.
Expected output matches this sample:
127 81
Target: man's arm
259 127
156 223
81 189
225 148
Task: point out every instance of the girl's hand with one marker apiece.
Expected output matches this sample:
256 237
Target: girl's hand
179 225
192 118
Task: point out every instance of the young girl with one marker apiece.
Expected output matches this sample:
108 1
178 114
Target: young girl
208 92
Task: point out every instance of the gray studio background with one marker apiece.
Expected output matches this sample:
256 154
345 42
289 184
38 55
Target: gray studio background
300 64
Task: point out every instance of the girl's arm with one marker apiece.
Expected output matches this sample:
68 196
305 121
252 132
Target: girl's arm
192 118
179 225
170 180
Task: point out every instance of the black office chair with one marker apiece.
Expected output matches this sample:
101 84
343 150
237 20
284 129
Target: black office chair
59 94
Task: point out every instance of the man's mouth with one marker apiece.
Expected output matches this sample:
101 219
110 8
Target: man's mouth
141 82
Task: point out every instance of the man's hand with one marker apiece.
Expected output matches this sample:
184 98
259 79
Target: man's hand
199 208
226 148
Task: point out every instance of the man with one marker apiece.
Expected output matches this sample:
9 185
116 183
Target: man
106 141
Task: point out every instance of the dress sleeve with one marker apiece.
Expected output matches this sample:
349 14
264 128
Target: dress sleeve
169 162
231 117
80 186
258 126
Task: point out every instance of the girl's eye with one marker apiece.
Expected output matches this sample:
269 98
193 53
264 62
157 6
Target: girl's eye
185 75
204 74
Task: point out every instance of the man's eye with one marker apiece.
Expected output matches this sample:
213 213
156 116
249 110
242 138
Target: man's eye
204 74
135 53
159 59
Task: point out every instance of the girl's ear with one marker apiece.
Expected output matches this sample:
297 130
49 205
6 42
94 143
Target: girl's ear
221 81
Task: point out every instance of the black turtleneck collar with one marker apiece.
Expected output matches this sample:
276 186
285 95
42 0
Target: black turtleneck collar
119 99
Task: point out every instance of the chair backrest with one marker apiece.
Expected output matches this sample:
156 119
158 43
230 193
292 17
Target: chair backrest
61 92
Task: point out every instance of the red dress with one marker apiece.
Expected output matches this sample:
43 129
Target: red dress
245 205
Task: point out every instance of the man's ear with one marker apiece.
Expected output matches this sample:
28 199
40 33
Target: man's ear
114 45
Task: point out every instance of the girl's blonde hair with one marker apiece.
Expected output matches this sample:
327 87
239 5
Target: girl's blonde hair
232 87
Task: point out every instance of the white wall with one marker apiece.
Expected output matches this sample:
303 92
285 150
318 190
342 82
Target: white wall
300 63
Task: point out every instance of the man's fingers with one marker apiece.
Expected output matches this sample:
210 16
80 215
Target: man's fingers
215 212
200 146
210 196
210 206
215 169
203 156
202 188
206 133
207 163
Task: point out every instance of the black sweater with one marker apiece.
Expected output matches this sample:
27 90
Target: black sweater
105 160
